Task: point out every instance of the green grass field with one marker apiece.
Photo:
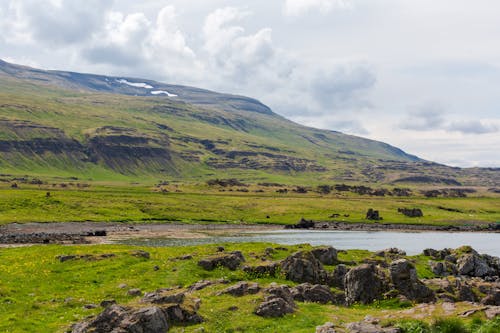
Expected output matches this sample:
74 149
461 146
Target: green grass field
200 203
38 293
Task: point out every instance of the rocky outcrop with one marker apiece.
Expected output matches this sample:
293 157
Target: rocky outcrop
327 255
404 278
268 269
411 212
231 260
472 264
241 288
302 267
277 303
373 215
336 277
316 293
327 327
364 284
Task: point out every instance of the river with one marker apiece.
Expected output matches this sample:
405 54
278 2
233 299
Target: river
411 242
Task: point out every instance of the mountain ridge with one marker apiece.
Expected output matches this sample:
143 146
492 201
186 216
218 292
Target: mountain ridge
107 127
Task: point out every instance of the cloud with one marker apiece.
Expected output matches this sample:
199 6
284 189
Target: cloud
296 8
428 116
472 127
55 22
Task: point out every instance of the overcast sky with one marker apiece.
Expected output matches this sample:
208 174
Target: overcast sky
421 75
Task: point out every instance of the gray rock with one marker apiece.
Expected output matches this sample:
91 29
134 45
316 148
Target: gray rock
364 327
146 320
163 296
230 260
107 302
316 293
364 284
326 255
263 270
302 267
274 307
141 254
472 264
241 288
336 278
134 292
404 278
327 327
492 298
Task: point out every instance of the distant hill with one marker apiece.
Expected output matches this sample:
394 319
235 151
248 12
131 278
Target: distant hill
103 127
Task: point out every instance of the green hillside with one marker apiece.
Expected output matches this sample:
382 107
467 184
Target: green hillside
96 127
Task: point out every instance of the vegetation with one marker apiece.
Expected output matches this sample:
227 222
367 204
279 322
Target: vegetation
39 293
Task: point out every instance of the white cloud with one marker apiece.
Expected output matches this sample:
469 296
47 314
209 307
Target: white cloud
300 7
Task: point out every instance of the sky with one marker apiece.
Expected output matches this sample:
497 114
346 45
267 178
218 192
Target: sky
420 75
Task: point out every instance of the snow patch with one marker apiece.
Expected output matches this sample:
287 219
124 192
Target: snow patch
135 84
163 92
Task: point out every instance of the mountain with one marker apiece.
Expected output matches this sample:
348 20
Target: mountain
103 127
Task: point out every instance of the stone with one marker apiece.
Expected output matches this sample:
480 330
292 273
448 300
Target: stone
263 270
177 313
404 278
316 293
326 255
302 267
146 320
199 285
163 296
141 254
438 268
472 264
492 298
63 258
107 302
231 260
134 292
336 278
105 322
364 327
327 327
411 212
241 288
373 215
364 284
492 312
277 303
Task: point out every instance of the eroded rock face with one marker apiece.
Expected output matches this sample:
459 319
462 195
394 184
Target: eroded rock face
230 260
364 284
326 255
278 302
302 267
265 269
404 278
317 293
118 318
472 264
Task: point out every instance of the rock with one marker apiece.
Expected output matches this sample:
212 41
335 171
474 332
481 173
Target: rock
316 293
392 252
411 212
230 260
177 313
465 293
90 306
364 284
134 292
63 258
302 267
302 224
263 270
364 327
435 254
373 215
404 278
220 249
122 285
326 328
492 312
492 299
278 302
241 288
141 254
274 307
107 303
336 278
163 296
326 255
472 264
199 285
438 268
122 319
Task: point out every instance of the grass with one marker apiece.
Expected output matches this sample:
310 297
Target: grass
38 293
198 203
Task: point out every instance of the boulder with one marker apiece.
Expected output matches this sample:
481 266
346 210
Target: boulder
373 215
336 278
134 292
241 288
164 296
278 302
392 252
492 298
231 260
316 293
326 255
180 314
327 327
404 278
411 212
302 267
364 284
472 264
263 270
141 254
116 318
365 327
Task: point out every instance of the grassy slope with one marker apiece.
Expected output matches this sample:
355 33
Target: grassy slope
79 114
197 203
40 294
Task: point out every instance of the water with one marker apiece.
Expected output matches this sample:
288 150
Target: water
411 242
